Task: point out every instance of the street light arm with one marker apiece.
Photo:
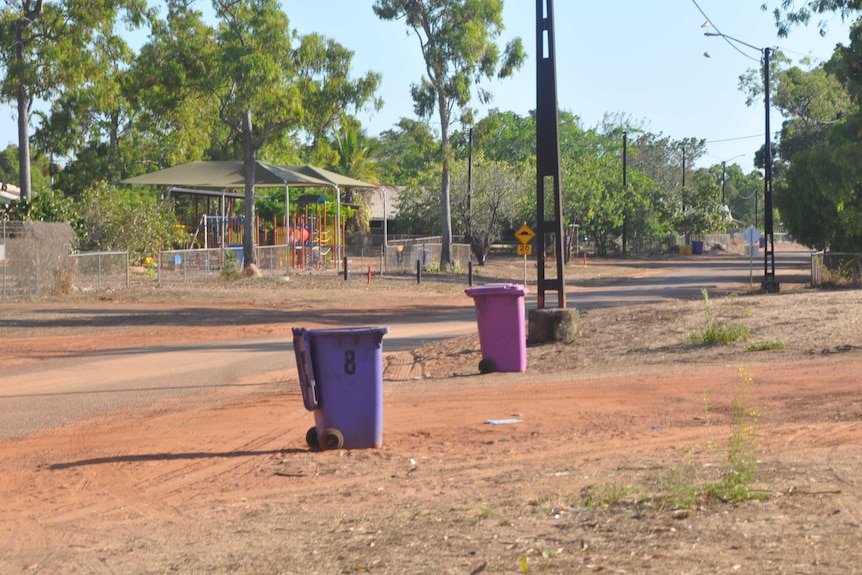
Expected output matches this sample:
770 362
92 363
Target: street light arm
730 40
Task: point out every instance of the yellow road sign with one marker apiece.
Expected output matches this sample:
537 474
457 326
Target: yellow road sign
525 250
525 234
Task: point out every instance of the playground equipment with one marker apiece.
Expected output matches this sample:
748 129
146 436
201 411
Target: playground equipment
309 235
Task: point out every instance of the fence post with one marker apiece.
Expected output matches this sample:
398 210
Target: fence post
470 273
345 268
4 259
419 271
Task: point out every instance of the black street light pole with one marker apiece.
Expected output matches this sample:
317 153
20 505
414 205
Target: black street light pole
769 284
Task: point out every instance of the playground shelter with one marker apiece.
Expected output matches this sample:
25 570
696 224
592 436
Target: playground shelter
223 179
205 176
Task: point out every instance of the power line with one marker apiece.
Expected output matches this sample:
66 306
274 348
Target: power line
734 139
726 39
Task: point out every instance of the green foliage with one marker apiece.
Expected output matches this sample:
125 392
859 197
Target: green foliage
419 204
773 345
715 332
407 151
817 166
606 493
230 268
741 192
60 45
508 137
43 208
820 198
490 208
123 219
703 211
742 456
791 13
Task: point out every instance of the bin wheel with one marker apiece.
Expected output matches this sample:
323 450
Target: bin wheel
487 365
332 439
311 438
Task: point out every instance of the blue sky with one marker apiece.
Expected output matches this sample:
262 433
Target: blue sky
642 59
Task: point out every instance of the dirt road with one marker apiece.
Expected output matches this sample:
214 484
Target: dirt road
614 430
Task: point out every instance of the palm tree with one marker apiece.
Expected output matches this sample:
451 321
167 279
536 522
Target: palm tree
357 158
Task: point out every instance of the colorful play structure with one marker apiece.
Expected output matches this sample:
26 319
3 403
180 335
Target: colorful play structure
309 234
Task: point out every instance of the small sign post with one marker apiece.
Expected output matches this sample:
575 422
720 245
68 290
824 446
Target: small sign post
524 235
751 234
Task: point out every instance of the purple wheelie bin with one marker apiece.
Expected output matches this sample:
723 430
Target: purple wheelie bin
341 378
502 333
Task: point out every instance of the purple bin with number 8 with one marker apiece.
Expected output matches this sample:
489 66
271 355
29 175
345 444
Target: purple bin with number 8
341 378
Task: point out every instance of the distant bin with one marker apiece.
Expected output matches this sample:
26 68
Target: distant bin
697 247
341 378
502 334
238 255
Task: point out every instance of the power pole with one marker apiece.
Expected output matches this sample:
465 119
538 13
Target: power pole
470 189
548 155
625 191
770 284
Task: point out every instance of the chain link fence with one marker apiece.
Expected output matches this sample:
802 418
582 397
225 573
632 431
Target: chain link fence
96 271
204 265
34 259
401 257
836 269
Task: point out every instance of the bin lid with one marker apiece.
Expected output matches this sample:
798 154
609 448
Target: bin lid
515 290
382 330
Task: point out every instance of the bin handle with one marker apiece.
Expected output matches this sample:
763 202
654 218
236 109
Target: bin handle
307 383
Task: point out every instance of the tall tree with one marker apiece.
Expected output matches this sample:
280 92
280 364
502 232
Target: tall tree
457 39
49 46
265 86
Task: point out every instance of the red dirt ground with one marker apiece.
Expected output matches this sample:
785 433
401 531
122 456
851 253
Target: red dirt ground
614 430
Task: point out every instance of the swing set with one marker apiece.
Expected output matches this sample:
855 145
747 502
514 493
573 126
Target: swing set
310 234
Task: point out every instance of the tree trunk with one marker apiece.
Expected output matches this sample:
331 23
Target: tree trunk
445 202
248 158
24 180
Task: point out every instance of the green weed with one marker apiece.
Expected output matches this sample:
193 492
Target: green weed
230 269
686 484
741 465
715 332
607 493
766 346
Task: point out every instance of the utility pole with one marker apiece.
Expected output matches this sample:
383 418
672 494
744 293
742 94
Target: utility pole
769 284
625 191
682 192
548 156
470 189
